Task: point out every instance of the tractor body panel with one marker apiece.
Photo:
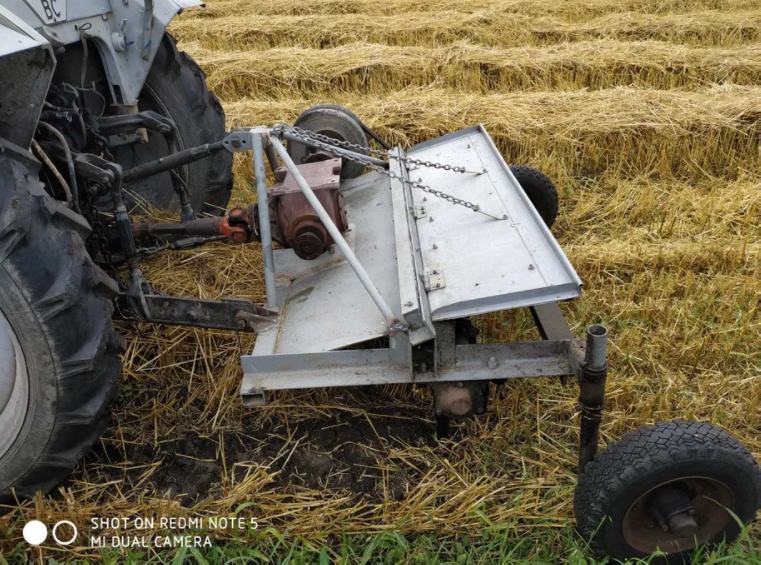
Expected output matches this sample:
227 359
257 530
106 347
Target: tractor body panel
26 65
126 34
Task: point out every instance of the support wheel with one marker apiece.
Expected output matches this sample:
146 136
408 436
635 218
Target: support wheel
335 122
667 487
540 190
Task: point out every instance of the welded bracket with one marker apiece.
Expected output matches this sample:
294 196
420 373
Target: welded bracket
434 280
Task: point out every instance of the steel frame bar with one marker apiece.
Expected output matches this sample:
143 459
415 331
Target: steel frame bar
265 232
379 366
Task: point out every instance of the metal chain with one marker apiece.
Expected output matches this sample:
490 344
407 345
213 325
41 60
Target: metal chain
98 235
332 145
310 135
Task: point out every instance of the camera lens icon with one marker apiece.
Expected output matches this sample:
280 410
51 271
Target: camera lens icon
64 541
35 532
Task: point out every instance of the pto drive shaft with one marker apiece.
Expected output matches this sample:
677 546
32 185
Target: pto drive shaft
294 223
239 225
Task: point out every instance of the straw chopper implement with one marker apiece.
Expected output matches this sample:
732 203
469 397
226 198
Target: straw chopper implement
375 259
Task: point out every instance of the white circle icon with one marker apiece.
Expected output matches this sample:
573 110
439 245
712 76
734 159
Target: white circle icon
35 532
73 536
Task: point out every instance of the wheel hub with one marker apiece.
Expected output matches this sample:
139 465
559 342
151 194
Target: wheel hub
14 386
683 525
678 515
314 155
671 507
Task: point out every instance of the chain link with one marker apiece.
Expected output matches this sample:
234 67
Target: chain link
310 135
334 146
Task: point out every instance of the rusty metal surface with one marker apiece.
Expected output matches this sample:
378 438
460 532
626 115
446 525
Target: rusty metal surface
237 225
294 222
709 506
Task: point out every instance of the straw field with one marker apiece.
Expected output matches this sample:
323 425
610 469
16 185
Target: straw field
646 113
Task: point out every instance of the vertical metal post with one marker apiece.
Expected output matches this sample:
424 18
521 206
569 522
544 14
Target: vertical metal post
271 157
362 275
257 143
594 372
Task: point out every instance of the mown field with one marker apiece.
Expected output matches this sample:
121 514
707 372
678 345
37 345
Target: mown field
646 113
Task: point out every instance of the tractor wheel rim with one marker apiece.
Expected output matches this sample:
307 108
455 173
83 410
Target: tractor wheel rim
710 498
14 386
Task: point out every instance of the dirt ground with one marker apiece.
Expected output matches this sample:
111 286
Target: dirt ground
338 451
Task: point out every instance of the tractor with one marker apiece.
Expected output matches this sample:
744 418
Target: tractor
375 260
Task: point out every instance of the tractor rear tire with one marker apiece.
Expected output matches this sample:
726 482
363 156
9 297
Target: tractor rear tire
620 493
540 191
59 360
176 88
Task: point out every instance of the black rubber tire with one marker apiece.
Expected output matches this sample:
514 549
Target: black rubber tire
653 455
540 190
334 121
176 87
59 304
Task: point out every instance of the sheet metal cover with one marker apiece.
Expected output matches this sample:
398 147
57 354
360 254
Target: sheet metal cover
484 264
326 307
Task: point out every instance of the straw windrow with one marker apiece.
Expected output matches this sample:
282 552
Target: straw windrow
493 28
572 11
463 67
